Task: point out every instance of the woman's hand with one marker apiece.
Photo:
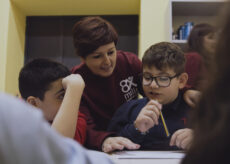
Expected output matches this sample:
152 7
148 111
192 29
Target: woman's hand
192 97
118 143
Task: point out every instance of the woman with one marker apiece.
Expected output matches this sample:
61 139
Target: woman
200 49
212 120
111 78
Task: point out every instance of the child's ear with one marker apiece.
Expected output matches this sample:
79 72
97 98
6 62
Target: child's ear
32 100
183 78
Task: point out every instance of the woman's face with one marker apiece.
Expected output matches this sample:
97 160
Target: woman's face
209 43
103 60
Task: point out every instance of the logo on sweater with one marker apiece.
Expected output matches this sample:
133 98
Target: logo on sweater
129 88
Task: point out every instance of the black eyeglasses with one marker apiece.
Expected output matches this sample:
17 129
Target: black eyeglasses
161 81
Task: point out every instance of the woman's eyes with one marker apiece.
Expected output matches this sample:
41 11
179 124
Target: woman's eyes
97 56
110 53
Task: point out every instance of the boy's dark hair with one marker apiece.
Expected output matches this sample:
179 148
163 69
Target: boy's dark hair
92 32
196 36
37 75
163 55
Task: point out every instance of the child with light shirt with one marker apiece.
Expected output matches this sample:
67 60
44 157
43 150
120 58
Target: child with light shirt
26 138
163 78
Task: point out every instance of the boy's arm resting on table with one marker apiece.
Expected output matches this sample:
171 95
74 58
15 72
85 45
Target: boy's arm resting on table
182 138
66 119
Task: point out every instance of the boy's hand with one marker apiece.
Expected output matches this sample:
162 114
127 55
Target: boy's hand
73 80
182 138
192 97
148 117
118 143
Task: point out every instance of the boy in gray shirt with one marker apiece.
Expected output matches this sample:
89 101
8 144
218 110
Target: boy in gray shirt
25 138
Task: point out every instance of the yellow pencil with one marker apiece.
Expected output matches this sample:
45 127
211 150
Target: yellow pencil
164 124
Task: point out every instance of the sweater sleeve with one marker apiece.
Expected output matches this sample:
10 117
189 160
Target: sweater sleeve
122 122
95 137
80 134
193 67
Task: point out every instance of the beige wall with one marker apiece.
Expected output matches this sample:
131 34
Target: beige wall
15 49
154 23
12 32
4 16
78 7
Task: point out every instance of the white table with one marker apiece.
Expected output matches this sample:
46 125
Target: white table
147 161
147 157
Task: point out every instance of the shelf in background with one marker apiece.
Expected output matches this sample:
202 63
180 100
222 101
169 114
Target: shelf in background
179 41
196 8
196 11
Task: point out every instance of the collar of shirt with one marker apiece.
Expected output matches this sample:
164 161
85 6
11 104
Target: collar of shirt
174 106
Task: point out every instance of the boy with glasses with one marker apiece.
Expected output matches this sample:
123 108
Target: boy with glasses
163 78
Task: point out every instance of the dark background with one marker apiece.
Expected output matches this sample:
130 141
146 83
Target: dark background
51 36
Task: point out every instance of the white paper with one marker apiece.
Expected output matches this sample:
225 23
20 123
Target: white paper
149 155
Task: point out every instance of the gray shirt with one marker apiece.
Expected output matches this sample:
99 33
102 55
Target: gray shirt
26 138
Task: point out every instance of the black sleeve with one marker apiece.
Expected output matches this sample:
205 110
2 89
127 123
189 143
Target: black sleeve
122 123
